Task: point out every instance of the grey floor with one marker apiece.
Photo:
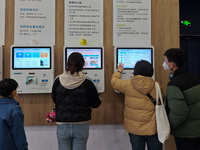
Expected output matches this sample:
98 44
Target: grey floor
101 137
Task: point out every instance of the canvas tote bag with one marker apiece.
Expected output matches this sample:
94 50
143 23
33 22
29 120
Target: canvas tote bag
163 127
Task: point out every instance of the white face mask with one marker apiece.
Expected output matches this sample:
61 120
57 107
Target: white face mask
165 66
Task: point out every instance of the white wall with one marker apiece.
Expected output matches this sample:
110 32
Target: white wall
101 137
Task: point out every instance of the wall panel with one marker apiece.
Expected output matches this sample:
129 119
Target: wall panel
165 34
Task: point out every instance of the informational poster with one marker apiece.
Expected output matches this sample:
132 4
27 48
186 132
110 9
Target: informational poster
2 22
34 22
83 22
131 22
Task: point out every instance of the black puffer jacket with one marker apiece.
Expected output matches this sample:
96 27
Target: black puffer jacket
74 105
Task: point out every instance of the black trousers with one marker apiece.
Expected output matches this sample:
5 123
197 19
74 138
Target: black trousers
187 143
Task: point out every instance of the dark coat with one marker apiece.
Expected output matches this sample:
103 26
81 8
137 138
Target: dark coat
74 105
183 104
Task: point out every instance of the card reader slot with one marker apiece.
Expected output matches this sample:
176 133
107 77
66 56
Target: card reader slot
31 73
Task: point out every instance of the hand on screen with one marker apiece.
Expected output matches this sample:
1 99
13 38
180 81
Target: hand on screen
120 67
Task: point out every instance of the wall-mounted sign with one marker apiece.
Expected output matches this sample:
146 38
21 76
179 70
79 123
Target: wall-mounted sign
2 22
131 22
84 20
34 22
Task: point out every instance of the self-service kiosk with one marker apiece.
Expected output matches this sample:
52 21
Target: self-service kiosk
1 63
94 63
129 57
33 68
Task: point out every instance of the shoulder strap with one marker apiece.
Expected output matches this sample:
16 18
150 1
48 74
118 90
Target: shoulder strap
159 97
151 98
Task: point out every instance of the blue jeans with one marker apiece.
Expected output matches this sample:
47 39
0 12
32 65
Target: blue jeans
72 136
138 142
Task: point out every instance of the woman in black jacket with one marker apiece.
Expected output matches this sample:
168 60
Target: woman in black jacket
74 95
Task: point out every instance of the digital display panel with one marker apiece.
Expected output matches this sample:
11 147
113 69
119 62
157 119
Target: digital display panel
130 56
31 58
91 55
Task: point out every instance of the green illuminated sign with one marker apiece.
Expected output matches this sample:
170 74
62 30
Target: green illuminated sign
186 23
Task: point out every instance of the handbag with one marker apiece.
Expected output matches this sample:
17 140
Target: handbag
51 116
162 122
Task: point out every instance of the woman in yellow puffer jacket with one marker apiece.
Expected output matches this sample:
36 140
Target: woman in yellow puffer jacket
139 111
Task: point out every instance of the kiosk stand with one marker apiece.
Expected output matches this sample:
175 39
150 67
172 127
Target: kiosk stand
94 63
33 68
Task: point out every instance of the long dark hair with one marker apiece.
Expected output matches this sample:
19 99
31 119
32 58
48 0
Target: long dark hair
75 62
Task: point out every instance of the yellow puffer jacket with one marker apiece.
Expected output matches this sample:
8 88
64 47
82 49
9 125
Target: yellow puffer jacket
139 111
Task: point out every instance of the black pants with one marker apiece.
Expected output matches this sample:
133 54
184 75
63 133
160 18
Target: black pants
187 143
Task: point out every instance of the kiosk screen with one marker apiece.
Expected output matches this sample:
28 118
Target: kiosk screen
92 56
129 56
31 58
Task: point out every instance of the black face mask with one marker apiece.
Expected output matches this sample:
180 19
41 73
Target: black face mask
170 75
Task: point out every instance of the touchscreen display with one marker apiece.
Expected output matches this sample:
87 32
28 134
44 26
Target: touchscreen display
92 56
31 57
130 56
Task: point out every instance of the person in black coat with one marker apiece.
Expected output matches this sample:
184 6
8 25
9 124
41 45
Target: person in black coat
74 95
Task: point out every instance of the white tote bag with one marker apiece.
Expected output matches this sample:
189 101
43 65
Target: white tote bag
163 127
